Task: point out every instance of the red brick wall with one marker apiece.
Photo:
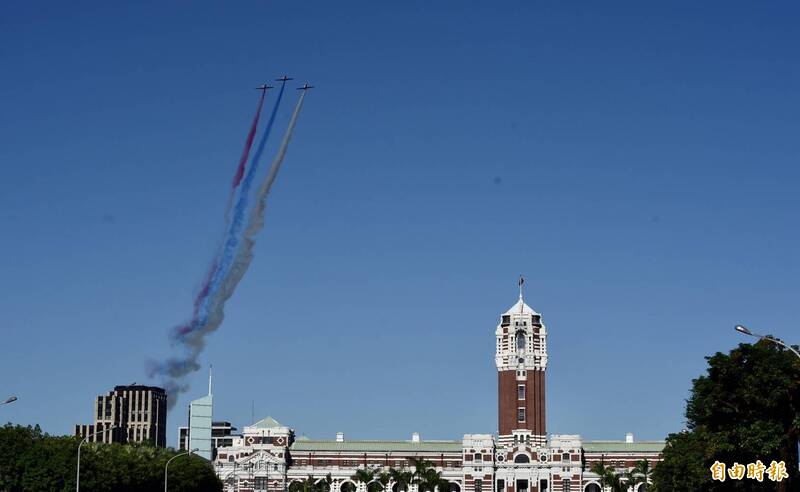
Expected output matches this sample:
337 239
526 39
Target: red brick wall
534 403
507 401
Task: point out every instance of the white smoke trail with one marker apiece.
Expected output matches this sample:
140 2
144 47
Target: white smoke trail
244 256
195 341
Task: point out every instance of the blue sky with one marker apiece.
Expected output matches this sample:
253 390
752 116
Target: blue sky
636 161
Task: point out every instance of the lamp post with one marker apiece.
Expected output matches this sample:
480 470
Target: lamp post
78 470
166 467
10 399
746 331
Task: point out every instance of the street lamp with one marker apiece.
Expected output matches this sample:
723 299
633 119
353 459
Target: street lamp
166 467
746 331
78 471
10 399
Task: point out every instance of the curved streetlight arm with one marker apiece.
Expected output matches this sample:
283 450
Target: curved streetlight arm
780 342
78 467
746 331
166 467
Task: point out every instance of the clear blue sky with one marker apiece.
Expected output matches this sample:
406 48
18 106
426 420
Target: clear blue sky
637 161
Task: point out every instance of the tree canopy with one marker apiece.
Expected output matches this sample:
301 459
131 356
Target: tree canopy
745 408
31 460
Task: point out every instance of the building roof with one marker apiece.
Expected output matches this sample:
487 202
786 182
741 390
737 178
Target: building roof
623 447
387 446
520 306
267 423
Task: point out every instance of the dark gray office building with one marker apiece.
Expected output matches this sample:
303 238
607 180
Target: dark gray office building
134 413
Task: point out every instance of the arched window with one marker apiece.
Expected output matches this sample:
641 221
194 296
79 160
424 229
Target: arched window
520 340
592 487
478 457
522 458
565 457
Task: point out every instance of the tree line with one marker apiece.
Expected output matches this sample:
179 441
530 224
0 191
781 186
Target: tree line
34 461
423 474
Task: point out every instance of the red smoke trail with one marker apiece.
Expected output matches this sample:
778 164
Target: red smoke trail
248 144
237 178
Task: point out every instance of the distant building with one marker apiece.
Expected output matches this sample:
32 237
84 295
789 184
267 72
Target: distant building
222 435
200 418
202 433
137 413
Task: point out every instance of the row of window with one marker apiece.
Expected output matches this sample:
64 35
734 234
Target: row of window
398 463
506 320
522 485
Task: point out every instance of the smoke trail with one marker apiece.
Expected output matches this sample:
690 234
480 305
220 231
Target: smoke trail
237 178
234 266
244 256
233 224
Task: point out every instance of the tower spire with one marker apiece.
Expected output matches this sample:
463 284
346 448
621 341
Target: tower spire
522 301
209 379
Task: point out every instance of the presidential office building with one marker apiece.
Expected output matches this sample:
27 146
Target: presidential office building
520 458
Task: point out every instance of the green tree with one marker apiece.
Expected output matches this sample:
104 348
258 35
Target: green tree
402 477
324 484
382 479
611 479
34 461
15 444
348 487
745 408
642 473
603 472
305 485
425 475
682 468
365 476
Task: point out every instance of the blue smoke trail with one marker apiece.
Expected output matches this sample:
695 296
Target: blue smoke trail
244 255
208 317
237 221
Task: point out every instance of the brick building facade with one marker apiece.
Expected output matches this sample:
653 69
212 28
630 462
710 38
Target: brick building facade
520 458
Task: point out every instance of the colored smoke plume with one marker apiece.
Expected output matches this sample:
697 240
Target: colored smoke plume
229 268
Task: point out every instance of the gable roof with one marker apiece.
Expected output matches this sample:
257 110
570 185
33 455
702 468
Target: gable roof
267 423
